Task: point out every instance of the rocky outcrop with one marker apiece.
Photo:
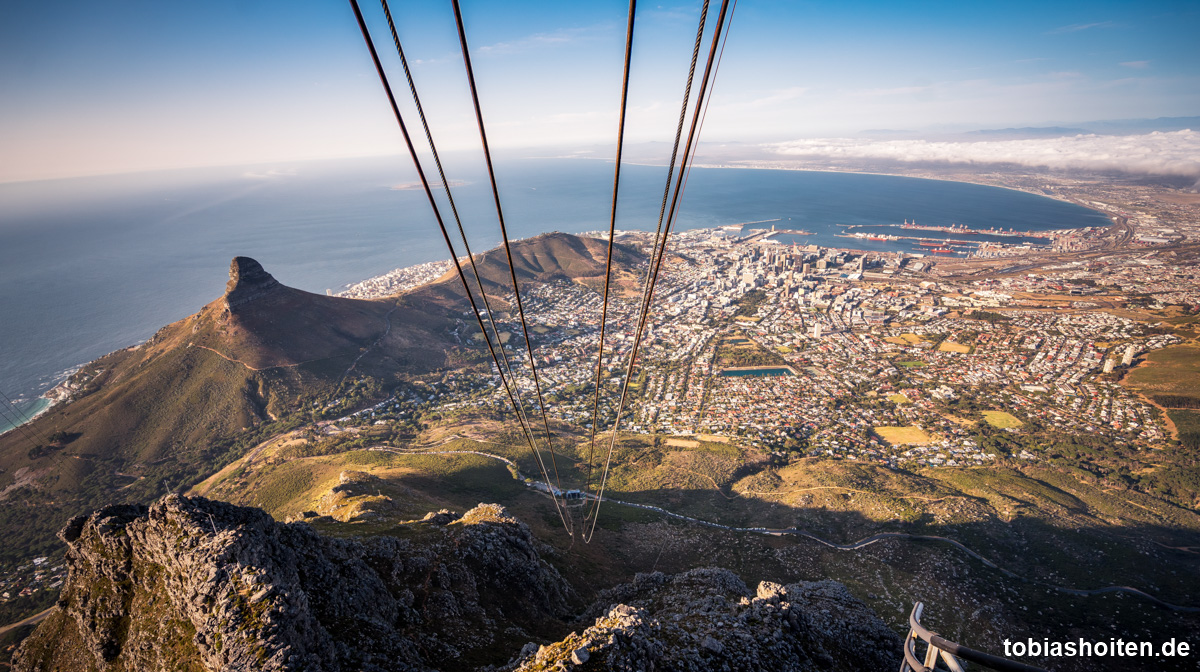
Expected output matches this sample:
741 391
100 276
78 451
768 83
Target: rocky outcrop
248 281
707 619
189 583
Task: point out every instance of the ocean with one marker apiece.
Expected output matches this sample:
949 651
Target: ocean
91 265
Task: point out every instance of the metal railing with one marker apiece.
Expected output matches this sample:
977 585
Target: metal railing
950 653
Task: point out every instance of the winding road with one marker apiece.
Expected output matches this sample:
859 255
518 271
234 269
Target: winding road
36 618
794 532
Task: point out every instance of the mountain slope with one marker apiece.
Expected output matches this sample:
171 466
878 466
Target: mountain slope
543 258
142 421
243 359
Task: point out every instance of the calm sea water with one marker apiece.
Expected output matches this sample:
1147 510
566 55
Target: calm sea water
91 265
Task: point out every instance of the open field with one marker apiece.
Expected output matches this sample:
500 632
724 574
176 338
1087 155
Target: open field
1173 370
400 486
714 438
1180 197
903 435
904 339
1001 420
504 336
1187 425
911 364
951 346
898 399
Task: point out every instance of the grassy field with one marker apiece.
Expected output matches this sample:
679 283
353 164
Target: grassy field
951 346
903 435
1001 420
904 339
1187 423
741 352
504 336
405 485
898 399
1172 370
911 365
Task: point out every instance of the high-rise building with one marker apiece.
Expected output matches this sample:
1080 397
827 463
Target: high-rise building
1129 354
1108 364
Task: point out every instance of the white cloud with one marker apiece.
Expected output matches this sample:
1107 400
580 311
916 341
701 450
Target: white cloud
1174 153
1136 64
271 174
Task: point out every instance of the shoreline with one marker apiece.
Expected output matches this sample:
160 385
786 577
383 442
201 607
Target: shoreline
977 183
42 405
350 287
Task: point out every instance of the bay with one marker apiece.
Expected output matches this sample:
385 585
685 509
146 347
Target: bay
91 265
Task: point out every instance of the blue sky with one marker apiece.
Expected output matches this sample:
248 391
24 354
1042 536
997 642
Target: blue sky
123 85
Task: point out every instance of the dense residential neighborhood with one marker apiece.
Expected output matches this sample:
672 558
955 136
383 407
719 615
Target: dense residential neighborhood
826 352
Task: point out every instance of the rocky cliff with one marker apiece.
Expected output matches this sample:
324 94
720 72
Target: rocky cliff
248 281
192 584
707 619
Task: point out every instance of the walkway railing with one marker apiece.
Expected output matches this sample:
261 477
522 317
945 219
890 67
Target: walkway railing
950 653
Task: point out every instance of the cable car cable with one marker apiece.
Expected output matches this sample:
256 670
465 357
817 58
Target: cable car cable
716 69
612 224
429 193
19 421
520 407
687 153
683 108
487 155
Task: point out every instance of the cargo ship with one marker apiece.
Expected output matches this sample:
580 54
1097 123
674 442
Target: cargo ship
793 232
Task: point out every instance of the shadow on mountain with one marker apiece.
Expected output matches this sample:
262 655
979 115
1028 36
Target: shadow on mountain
1030 592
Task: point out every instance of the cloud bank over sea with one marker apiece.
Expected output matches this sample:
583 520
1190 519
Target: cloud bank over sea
1162 153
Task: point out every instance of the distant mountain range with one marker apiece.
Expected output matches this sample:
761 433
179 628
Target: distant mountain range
1104 127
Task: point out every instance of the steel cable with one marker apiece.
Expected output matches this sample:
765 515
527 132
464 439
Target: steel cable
519 408
666 235
556 488
432 202
20 421
683 108
612 224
